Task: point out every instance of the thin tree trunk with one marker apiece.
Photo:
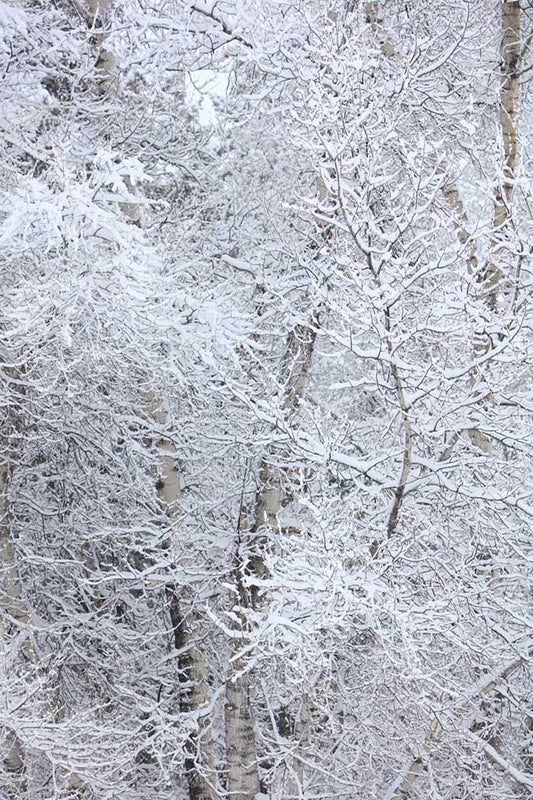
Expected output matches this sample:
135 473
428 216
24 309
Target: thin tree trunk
509 99
192 668
13 609
242 767
300 735
243 771
193 673
14 613
491 275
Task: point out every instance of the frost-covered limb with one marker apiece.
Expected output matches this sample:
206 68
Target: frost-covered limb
517 775
243 771
14 612
401 787
209 11
392 522
226 544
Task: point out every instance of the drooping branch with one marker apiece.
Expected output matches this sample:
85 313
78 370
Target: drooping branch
517 775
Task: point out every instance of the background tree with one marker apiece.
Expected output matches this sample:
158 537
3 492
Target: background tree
265 471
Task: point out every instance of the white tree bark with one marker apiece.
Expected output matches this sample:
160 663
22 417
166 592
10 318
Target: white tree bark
509 100
490 277
14 614
243 770
194 695
194 699
295 787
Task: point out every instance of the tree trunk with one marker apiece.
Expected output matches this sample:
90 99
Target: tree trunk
194 699
295 783
242 767
509 97
243 770
193 672
490 277
14 612
192 669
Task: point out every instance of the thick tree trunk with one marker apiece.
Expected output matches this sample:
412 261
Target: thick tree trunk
193 672
242 767
194 699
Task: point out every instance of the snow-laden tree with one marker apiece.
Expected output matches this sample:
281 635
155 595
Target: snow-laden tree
92 325
266 476
402 474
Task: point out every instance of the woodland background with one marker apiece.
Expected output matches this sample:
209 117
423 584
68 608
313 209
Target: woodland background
266 400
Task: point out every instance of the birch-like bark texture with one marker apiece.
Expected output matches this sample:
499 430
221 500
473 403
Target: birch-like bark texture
242 768
241 758
98 19
14 611
510 51
194 696
14 614
296 363
491 276
266 515
372 11
295 783
15 636
193 686
243 771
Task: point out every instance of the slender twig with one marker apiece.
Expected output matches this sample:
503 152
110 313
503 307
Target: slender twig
227 30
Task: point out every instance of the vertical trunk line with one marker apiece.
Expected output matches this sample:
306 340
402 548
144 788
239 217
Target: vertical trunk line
243 771
295 786
408 436
14 611
97 18
491 277
509 97
199 760
193 673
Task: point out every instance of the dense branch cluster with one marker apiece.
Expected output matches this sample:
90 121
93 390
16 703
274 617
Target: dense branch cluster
266 479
